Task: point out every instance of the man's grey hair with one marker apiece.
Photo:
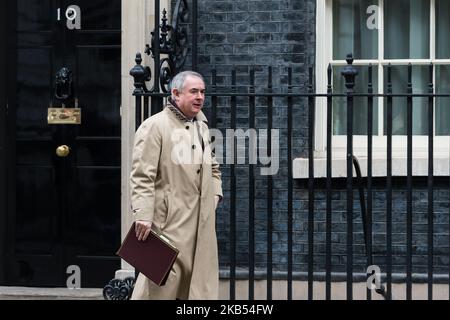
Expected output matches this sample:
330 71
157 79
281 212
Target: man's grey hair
178 81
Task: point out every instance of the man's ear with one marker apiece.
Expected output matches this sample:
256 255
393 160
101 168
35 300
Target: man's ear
175 92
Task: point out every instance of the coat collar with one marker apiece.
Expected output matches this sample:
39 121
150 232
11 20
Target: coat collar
172 106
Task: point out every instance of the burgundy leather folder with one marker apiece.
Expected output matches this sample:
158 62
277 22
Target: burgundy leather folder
153 257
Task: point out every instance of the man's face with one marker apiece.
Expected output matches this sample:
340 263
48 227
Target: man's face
190 100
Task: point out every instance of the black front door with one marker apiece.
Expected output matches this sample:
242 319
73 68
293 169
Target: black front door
3 109
63 209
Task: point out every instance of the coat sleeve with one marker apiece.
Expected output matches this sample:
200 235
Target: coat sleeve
146 154
217 177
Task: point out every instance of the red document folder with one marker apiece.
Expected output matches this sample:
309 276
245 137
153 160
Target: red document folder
153 257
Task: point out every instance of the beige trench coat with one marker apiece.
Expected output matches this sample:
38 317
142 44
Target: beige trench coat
174 183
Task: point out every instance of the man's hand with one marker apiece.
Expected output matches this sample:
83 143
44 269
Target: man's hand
142 228
217 199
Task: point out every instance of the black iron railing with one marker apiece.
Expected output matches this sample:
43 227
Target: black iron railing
231 94
306 258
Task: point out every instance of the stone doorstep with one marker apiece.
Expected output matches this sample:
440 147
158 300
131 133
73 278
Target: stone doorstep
24 293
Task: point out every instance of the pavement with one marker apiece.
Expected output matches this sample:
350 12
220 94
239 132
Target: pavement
279 289
24 293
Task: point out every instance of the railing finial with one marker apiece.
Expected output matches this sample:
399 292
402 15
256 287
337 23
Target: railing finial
350 72
349 58
140 74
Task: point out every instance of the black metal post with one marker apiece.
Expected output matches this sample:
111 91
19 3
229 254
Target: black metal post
214 98
430 181
369 172
329 184
194 35
389 186
251 192
409 132
270 187
311 118
233 195
290 187
349 73
156 47
146 108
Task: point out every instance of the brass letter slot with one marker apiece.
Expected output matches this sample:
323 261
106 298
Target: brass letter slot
64 116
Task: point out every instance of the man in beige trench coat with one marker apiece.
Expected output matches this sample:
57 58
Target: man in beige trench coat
175 187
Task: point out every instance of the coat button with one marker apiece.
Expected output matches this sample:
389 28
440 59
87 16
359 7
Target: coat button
193 147
198 171
187 127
